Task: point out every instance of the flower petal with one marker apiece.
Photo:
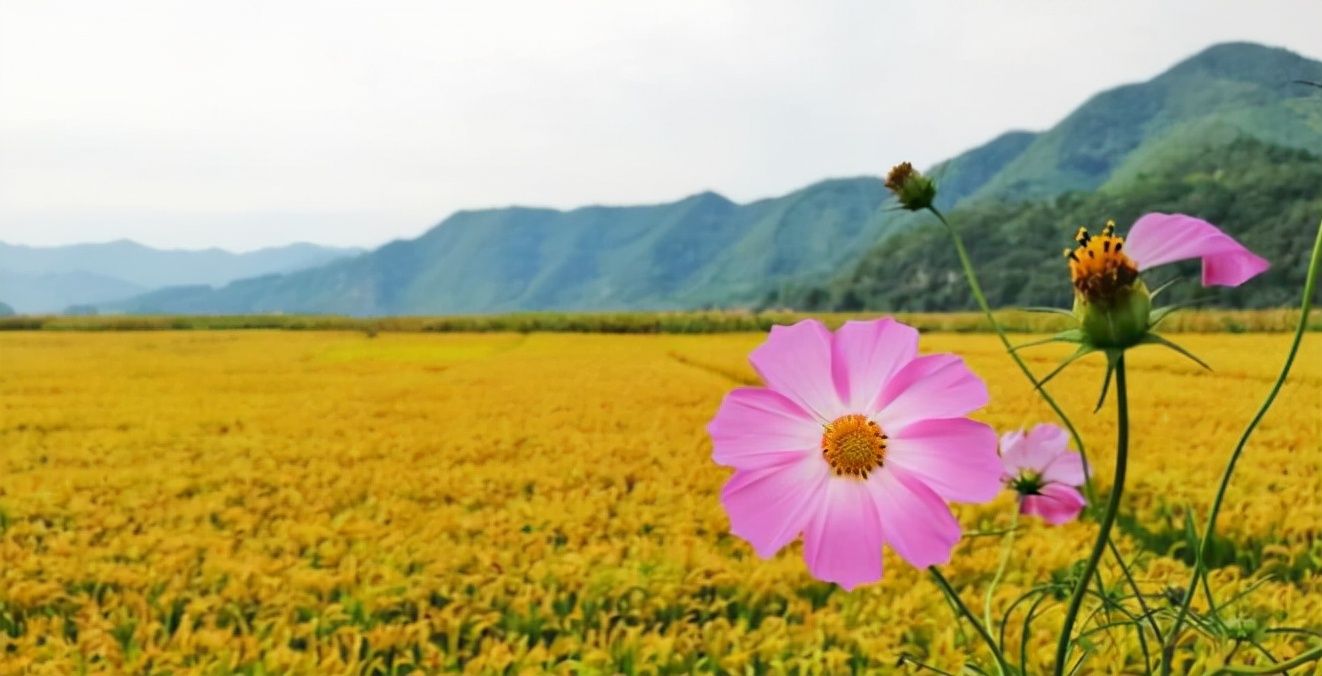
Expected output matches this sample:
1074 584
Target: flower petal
1157 239
956 458
842 542
770 506
865 355
1066 469
931 386
756 427
1033 450
916 522
796 362
1056 504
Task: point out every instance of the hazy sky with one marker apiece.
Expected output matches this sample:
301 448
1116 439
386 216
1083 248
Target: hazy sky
242 125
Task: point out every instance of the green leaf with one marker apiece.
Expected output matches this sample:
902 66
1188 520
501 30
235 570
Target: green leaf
1192 541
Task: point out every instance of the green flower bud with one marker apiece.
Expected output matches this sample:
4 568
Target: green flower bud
915 191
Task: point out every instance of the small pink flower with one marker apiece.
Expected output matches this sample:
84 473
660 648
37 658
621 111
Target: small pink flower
1157 239
854 442
1040 466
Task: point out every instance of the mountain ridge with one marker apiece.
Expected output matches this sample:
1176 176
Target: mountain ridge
705 250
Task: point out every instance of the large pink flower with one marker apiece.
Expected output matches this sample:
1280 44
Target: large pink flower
1157 239
1040 466
854 442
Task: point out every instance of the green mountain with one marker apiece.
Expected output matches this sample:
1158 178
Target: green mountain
827 245
1266 196
702 249
1223 93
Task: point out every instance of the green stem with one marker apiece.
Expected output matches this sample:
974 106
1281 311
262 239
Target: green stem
1278 668
1142 606
973 619
1006 545
1310 286
1028 373
1108 518
1138 593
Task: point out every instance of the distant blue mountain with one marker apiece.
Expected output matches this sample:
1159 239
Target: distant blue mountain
50 279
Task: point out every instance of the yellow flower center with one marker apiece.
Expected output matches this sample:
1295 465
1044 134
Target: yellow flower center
853 445
1098 268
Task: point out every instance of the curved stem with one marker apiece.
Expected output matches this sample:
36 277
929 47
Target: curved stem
1108 518
1006 545
1278 668
986 309
1310 285
1138 593
1142 605
973 619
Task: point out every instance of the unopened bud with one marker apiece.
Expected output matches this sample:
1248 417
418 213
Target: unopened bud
915 191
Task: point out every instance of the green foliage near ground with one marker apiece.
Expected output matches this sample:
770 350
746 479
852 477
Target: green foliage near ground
1266 196
1233 321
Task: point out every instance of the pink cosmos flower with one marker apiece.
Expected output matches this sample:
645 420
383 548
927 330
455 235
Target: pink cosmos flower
1040 466
1157 239
854 442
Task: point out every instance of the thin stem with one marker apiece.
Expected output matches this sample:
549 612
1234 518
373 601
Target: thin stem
905 659
1028 373
973 619
1108 518
1028 630
1310 285
1277 668
1138 593
1006 546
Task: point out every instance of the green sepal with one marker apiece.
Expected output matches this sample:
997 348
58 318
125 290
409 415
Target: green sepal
1071 336
1164 312
1168 284
1112 361
1068 336
1159 314
1154 339
1084 349
1042 309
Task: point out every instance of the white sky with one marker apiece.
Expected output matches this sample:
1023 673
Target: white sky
250 124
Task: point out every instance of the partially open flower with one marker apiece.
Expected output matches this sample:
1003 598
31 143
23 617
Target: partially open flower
1111 303
1113 306
1040 467
855 441
914 190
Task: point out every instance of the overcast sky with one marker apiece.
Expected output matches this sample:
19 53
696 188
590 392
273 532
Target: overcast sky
243 125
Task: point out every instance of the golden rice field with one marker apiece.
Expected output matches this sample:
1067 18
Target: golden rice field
333 503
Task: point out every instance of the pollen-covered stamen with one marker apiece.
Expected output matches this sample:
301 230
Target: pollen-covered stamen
1098 267
1027 483
853 445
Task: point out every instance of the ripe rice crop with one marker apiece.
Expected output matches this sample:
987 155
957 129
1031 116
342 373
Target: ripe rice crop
265 502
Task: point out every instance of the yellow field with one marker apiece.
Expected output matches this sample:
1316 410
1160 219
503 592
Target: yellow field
325 503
